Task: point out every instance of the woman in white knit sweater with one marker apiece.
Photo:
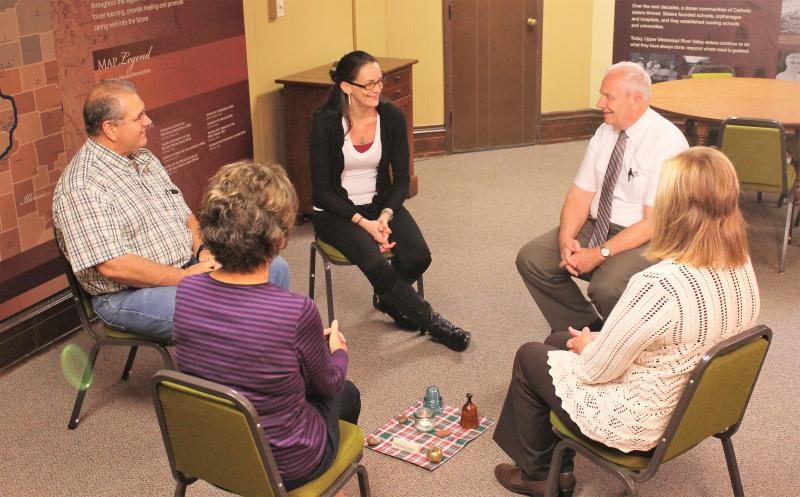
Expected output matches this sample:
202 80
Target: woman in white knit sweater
620 386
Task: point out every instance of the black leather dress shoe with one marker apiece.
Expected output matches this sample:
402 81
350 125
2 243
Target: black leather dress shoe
510 477
443 331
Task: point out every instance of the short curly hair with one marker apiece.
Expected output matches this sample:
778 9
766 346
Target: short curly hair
247 213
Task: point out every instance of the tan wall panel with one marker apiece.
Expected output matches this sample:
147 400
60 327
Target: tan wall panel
313 32
414 30
602 45
370 26
566 54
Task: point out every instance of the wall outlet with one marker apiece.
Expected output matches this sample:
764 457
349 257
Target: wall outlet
276 8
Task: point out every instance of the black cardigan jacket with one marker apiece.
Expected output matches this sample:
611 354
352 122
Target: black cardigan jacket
327 162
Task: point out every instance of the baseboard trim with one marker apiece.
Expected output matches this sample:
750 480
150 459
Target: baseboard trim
429 141
35 328
566 126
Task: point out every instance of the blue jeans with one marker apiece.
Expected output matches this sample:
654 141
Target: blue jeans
149 311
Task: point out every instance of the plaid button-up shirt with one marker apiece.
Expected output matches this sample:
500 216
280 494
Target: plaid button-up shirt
106 206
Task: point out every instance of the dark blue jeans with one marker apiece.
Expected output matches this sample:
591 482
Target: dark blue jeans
149 311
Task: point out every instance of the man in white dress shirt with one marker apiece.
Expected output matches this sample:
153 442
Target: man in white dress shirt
601 236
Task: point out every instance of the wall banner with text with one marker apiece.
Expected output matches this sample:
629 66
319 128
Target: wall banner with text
188 61
668 37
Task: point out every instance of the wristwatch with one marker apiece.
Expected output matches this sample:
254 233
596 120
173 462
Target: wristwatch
605 251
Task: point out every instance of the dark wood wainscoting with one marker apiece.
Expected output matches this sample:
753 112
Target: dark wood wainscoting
569 126
556 127
34 329
429 141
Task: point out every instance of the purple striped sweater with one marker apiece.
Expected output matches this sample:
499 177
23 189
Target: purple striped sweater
268 344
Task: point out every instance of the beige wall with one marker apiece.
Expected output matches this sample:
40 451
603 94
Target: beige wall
577 43
602 45
576 50
313 32
414 29
316 32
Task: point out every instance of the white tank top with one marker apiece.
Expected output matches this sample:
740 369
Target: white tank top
360 173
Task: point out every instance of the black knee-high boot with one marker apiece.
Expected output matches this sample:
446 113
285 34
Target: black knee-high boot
400 320
407 301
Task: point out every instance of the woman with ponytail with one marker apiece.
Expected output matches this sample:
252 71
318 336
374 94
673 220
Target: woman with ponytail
360 177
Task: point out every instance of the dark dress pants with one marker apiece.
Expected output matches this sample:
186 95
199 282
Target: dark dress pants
345 406
523 430
411 254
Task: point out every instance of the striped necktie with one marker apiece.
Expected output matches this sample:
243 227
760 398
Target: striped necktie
600 233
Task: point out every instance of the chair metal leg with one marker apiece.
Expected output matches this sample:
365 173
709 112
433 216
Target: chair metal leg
86 381
786 232
733 468
166 357
363 481
129 363
312 272
551 490
420 288
180 490
329 290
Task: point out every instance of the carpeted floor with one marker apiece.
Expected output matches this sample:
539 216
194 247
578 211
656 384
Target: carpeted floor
476 210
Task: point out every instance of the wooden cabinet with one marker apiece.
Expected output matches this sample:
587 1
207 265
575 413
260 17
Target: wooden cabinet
305 91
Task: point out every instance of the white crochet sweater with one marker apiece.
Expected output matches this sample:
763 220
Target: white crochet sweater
623 388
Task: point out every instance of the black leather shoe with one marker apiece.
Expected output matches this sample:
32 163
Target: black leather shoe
400 320
510 477
445 332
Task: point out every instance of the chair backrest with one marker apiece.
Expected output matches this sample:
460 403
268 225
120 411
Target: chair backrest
83 301
711 71
757 148
213 433
716 396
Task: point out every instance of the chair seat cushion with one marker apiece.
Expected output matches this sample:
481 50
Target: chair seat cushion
630 461
112 333
351 445
337 257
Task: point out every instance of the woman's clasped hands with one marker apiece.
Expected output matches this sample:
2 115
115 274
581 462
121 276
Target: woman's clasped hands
380 231
580 339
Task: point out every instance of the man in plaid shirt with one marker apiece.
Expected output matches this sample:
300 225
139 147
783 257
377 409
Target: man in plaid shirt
123 224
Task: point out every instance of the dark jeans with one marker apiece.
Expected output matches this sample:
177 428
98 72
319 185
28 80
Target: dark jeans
523 430
346 405
411 254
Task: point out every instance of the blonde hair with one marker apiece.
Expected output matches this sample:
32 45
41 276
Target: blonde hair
247 213
696 217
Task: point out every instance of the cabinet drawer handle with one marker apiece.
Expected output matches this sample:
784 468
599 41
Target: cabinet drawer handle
397 78
397 93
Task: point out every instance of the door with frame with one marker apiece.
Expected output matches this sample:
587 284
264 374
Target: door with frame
493 60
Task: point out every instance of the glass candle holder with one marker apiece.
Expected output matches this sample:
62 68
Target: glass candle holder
424 419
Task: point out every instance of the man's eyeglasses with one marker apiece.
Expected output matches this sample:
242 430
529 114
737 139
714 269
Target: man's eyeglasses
369 86
138 120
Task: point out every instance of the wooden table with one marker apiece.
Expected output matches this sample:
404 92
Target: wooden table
710 101
303 92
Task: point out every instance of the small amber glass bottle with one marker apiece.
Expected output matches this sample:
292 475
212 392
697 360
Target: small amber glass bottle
469 414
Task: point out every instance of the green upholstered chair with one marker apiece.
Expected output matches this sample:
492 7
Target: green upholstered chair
104 336
712 404
332 256
213 433
757 148
712 71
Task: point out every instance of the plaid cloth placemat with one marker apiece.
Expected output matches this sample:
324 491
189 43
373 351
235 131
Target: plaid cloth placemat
450 444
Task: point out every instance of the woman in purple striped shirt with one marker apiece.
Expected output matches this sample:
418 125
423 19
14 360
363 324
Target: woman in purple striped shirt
234 327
